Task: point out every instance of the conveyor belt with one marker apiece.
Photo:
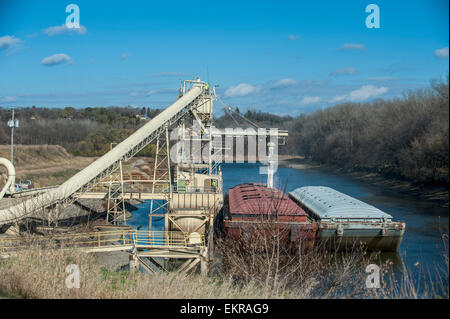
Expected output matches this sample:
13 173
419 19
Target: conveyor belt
124 150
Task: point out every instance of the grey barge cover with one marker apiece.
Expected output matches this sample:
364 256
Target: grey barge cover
346 222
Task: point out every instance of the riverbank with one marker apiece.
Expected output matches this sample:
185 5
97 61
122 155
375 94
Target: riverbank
436 194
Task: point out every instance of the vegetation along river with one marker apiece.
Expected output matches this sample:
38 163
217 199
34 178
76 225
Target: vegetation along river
426 221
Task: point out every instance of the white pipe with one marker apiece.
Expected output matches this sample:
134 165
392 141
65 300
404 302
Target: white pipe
11 176
270 169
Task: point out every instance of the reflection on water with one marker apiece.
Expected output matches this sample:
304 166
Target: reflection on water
421 243
140 216
140 220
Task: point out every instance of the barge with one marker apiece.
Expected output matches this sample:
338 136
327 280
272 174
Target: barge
252 208
344 221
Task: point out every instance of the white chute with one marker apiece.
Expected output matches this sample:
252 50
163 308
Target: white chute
11 177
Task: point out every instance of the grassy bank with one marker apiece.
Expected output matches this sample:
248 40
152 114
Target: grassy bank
37 273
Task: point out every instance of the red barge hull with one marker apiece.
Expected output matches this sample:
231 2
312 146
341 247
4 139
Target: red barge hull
253 210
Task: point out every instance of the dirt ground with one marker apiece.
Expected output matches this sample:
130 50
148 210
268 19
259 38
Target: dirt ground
51 165
45 165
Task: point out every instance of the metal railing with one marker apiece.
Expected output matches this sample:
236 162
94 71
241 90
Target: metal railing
167 239
194 189
147 187
117 239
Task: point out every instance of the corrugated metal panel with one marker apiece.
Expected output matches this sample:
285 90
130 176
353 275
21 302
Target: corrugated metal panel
295 232
328 203
257 199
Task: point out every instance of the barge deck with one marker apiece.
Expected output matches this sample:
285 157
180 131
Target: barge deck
345 221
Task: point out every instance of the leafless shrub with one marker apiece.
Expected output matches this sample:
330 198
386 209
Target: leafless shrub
262 255
39 273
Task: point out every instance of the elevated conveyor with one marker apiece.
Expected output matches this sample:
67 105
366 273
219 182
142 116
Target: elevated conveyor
108 163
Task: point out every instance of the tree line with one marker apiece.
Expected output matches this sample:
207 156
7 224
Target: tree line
85 131
406 138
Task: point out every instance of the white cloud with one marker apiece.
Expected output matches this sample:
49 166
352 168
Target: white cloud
353 46
8 99
381 78
363 93
338 98
62 29
7 42
442 53
151 92
55 59
161 91
242 89
285 82
293 37
310 100
348 71
10 44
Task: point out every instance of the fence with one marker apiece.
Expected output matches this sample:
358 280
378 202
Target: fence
118 239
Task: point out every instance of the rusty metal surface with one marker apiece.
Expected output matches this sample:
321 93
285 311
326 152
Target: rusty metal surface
251 200
248 203
291 234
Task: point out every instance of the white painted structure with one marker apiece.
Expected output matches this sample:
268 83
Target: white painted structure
11 177
124 150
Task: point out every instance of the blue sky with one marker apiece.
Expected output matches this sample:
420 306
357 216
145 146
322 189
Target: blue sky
284 57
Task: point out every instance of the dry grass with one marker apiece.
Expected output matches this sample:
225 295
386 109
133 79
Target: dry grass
265 256
262 256
258 265
37 273
40 273
45 165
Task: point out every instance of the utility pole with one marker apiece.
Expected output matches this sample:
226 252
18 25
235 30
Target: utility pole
12 123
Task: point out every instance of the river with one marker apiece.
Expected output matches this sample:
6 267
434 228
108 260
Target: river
422 243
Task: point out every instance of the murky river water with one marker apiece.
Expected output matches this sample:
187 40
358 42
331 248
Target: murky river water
422 240
425 220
